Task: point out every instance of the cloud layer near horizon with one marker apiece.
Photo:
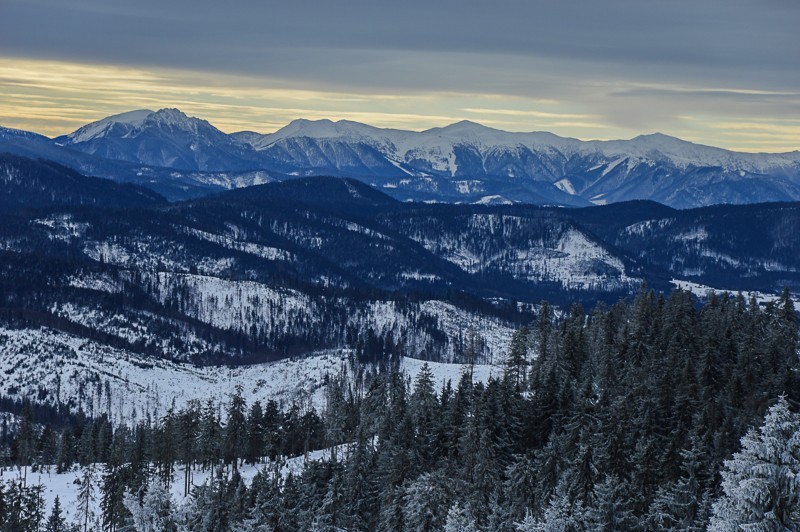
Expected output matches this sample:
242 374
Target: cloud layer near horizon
722 72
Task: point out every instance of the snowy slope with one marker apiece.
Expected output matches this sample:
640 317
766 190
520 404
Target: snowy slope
683 154
262 310
48 366
126 121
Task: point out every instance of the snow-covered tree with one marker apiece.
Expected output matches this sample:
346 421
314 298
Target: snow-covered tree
560 515
761 483
610 509
459 520
154 514
425 502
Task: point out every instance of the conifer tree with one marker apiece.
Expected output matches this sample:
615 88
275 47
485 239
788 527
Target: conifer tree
254 447
209 438
517 358
610 508
459 520
56 521
154 514
86 497
560 515
235 428
761 483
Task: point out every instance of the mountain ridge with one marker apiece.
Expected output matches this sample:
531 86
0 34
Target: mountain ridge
463 162
26 183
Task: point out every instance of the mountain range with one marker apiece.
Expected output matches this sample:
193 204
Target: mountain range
183 157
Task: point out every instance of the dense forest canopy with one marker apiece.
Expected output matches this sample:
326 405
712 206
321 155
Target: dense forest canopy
622 418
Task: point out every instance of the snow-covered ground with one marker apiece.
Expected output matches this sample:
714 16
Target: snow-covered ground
249 306
67 484
44 363
701 290
47 365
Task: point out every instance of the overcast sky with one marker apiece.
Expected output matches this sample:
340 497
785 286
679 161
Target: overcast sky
720 72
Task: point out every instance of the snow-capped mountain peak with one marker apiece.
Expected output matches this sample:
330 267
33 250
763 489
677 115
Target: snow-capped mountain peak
101 128
165 138
657 147
344 130
176 120
463 161
135 123
460 128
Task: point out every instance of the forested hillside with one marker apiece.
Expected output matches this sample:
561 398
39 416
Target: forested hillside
287 268
620 419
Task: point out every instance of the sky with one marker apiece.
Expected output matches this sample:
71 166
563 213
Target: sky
718 72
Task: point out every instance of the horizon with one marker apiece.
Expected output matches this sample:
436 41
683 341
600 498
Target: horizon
336 121
719 74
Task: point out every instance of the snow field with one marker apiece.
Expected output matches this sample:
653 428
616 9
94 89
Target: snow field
48 366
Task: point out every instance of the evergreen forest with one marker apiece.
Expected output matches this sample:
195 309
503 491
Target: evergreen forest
656 413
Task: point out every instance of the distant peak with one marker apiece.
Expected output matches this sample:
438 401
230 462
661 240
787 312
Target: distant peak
8 132
322 129
171 111
307 122
465 125
99 128
462 128
658 137
135 118
173 116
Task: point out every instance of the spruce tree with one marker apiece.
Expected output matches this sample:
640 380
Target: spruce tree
254 447
56 521
459 520
235 428
761 483
86 497
610 508
517 358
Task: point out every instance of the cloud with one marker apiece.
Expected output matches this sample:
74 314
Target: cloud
628 66
365 42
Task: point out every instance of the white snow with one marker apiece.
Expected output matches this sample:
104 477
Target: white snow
701 290
613 164
571 259
49 365
648 226
93 130
253 307
696 234
565 185
66 485
229 242
494 199
63 227
437 146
